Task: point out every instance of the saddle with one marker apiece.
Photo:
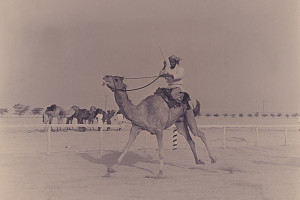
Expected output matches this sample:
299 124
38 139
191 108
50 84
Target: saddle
52 107
165 94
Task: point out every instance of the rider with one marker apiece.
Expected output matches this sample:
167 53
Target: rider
174 77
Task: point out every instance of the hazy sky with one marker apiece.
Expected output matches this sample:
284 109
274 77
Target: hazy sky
236 53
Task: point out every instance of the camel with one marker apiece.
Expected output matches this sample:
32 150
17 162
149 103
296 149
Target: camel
84 115
58 112
153 115
93 112
108 116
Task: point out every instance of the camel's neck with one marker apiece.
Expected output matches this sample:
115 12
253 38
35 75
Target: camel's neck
125 105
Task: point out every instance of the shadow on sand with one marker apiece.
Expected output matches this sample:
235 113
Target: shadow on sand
130 159
111 158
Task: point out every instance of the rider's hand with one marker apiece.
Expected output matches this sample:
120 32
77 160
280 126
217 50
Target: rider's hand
165 64
162 72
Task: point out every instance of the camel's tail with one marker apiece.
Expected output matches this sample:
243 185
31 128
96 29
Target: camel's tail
196 110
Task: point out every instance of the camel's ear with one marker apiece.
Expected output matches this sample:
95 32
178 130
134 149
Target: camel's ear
122 78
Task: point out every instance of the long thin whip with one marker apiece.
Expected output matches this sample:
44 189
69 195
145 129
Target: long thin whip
162 53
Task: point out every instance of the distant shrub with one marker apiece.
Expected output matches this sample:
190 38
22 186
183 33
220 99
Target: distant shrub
233 115
264 115
250 115
216 115
3 111
225 115
207 115
37 111
279 115
241 115
20 109
256 114
287 115
272 115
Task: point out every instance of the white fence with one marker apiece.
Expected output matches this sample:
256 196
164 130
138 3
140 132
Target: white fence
257 127
50 126
224 127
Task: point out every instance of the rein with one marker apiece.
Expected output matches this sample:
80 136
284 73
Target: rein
125 90
141 77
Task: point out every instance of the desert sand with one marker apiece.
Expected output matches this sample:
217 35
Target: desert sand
76 169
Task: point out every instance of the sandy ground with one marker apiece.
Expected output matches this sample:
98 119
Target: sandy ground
75 168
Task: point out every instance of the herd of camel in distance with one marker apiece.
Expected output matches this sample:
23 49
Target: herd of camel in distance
83 116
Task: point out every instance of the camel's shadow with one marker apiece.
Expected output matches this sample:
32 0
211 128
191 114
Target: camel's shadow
130 159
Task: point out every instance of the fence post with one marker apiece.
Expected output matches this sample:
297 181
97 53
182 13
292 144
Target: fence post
256 142
101 137
49 140
224 137
285 136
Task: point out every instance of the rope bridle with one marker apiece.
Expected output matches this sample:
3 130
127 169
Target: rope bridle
125 90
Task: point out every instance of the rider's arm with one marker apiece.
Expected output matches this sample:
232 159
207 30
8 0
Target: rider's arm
163 71
175 74
179 74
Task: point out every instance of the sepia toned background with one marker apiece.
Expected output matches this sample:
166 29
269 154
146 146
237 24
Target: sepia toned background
238 55
241 58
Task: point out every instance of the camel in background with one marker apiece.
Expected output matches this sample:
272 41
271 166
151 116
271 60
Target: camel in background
84 115
57 112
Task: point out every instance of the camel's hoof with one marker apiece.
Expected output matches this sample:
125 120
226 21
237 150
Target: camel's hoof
213 160
200 162
160 173
158 176
111 170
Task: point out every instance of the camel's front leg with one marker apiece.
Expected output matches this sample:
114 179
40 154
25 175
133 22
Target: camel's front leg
189 116
133 133
159 137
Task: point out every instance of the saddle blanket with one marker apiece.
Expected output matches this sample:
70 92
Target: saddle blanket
165 93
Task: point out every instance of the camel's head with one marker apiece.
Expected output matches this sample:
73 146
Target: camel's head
75 107
114 82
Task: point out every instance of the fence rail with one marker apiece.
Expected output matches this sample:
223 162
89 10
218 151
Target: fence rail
224 127
257 127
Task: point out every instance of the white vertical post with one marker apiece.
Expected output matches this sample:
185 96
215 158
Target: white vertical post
256 142
145 146
285 136
49 140
101 137
224 137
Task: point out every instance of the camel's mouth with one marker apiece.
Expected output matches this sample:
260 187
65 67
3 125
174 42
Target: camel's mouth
105 83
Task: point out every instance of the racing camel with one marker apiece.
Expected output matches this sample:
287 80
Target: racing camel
154 115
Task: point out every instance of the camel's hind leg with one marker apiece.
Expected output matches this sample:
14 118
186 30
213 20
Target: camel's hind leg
191 121
133 133
183 130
